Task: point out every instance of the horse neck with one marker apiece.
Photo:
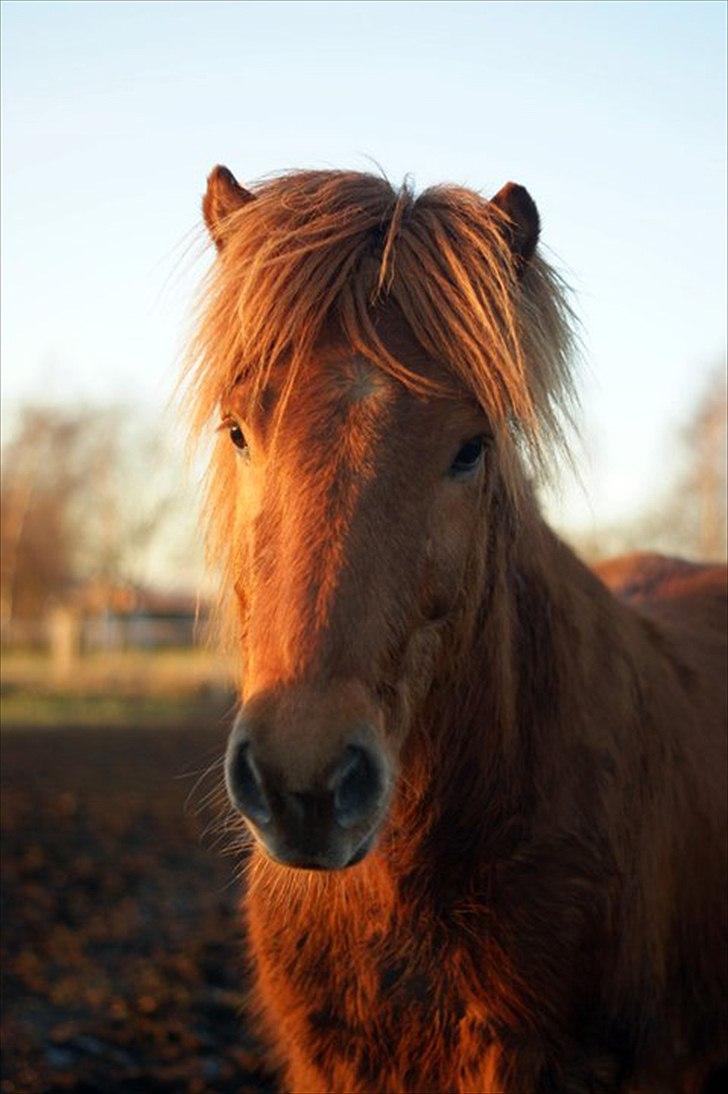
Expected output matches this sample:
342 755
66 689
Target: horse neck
543 660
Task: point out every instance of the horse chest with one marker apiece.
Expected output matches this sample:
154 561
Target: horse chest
371 1005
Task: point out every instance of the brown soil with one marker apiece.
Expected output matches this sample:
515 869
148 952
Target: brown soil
122 953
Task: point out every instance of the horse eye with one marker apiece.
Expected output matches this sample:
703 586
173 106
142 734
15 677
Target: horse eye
468 457
237 436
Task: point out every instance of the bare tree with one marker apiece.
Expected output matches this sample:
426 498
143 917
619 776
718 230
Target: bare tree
703 491
42 472
689 518
86 494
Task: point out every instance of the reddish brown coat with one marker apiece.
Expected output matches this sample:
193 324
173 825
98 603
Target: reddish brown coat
544 909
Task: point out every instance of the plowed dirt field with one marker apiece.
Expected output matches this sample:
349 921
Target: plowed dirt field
122 953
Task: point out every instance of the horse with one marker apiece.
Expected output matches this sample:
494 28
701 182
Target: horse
483 784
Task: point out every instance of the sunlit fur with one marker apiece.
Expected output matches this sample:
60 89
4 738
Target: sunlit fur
318 248
544 910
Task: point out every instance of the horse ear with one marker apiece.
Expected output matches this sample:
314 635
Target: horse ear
224 196
523 220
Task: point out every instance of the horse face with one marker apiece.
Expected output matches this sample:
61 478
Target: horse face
358 504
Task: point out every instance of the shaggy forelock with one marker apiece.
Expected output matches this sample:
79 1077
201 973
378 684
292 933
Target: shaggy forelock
322 248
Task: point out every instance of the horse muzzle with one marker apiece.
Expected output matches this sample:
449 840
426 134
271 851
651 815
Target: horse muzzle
310 807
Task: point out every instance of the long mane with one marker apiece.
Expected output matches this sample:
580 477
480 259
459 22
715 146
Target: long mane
322 250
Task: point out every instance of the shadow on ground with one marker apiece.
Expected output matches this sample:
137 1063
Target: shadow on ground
122 953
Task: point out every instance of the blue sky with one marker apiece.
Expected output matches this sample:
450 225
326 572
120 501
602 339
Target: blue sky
612 114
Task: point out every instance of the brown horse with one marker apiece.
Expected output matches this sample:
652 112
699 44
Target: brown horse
484 789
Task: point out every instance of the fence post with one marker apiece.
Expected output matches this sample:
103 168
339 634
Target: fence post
64 635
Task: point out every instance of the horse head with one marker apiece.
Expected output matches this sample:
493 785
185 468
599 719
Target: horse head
365 351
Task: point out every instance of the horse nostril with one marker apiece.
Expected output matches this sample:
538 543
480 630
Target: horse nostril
357 786
245 786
